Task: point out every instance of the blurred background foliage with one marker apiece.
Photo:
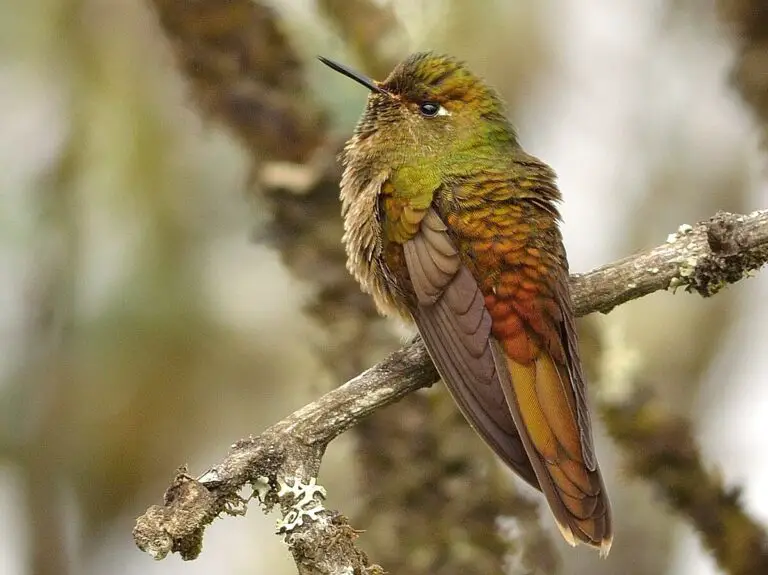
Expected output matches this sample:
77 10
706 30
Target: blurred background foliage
172 276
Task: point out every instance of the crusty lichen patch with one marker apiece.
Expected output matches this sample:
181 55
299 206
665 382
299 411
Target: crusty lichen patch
721 261
178 525
713 272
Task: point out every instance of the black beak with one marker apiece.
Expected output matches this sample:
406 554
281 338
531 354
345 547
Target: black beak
359 78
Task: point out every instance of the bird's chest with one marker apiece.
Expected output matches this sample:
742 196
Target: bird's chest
374 253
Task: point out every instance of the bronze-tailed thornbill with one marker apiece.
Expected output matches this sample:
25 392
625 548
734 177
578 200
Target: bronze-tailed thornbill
450 223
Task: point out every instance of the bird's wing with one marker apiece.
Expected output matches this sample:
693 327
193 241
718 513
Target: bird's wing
456 327
512 351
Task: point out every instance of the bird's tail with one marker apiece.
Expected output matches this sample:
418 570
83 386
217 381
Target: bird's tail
545 412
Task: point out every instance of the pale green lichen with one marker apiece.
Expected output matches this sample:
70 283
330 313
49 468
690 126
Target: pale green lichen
749 273
682 230
306 506
674 283
261 488
688 267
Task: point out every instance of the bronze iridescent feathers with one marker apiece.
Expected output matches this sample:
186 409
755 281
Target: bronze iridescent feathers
448 222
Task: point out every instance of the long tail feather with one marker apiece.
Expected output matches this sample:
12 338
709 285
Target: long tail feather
544 416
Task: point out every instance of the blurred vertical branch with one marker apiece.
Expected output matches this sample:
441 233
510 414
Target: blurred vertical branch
661 448
370 30
749 21
244 72
43 379
40 386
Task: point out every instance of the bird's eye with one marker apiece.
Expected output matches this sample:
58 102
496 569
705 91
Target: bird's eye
429 109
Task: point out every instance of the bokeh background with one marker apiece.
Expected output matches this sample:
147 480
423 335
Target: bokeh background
171 276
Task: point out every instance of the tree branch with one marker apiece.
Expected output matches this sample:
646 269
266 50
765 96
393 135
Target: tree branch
701 258
243 71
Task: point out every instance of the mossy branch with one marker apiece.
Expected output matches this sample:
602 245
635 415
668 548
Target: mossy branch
660 447
702 258
244 73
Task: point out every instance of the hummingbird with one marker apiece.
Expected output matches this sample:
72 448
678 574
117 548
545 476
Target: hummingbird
451 225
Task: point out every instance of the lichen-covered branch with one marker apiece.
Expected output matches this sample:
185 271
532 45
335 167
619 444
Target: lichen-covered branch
701 258
288 451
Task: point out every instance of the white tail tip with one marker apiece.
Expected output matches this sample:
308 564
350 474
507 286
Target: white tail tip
605 547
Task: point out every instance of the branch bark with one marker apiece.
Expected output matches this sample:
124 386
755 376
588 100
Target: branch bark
702 258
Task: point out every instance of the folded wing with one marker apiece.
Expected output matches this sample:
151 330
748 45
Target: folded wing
522 390
456 327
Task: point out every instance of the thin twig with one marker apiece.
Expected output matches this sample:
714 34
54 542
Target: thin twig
701 258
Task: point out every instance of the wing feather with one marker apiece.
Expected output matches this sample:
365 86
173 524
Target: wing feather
529 404
456 327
